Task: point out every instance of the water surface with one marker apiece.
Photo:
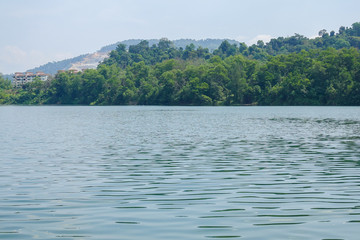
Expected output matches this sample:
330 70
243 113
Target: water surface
179 172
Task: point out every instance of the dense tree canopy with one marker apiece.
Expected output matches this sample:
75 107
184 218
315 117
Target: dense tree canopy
5 87
286 71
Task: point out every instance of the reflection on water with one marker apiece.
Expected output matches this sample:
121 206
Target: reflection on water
179 172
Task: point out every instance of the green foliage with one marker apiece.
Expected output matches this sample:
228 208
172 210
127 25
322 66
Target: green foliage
4 84
5 90
286 71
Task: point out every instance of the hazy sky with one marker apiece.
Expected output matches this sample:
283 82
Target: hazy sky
35 32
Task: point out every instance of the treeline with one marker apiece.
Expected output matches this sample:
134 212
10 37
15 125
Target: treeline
286 71
53 67
209 43
6 92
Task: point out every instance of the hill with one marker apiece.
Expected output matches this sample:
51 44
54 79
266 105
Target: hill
286 71
53 67
346 37
92 60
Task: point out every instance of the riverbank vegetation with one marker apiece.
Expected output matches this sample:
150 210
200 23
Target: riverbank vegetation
285 71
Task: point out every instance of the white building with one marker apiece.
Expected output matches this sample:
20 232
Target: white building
20 78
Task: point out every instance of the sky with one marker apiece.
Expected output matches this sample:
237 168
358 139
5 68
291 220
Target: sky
35 32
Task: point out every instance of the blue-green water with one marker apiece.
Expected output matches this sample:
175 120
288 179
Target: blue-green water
179 172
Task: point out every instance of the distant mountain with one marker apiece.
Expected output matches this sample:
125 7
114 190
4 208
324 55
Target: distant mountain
8 77
53 67
91 60
211 44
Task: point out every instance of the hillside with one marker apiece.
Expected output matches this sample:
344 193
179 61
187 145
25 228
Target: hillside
92 60
53 67
286 71
346 37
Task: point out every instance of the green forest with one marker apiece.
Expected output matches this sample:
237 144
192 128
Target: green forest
292 70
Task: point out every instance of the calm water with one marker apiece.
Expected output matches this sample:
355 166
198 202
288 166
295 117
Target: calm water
179 173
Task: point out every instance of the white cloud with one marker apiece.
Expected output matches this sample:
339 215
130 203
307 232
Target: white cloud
15 59
264 37
241 38
12 54
314 36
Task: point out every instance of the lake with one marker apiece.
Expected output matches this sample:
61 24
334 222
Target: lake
155 172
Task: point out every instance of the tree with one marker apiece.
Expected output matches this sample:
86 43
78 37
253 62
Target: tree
226 49
165 44
92 86
285 71
355 30
322 32
194 93
260 44
4 84
59 92
189 52
237 73
5 87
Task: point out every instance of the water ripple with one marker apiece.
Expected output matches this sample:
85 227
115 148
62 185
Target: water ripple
179 173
